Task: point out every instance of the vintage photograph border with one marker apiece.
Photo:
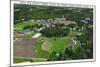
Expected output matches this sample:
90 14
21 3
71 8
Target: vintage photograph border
51 4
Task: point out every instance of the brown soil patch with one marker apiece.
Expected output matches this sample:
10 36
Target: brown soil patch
46 46
24 48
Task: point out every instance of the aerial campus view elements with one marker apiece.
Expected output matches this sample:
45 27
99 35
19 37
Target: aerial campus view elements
50 33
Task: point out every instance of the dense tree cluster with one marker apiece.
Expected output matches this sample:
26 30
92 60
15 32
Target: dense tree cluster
31 27
55 32
28 12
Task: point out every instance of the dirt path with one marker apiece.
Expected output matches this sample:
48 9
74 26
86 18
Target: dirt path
72 42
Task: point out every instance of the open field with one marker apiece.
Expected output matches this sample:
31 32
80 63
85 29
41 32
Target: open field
58 44
52 45
20 60
23 24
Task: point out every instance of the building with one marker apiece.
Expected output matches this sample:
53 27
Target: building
63 21
23 32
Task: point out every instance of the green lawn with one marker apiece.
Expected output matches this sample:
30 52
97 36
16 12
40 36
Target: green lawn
58 44
23 24
40 52
19 60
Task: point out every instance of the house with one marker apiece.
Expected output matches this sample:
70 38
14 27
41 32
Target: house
84 21
68 22
23 32
19 32
40 28
17 10
63 21
87 18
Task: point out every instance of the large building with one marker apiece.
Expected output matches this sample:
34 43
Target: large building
63 21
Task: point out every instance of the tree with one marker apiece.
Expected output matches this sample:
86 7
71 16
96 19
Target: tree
55 32
68 52
78 52
55 56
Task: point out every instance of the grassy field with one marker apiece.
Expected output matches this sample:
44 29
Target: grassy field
58 44
55 45
19 60
23 24
39 52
